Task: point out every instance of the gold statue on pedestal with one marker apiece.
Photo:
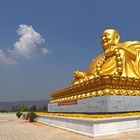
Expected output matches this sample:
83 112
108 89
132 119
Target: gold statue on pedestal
116 71
120 59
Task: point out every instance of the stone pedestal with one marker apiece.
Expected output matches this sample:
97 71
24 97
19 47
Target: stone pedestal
100 104
93 127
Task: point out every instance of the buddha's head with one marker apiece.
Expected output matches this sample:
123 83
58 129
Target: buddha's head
109 38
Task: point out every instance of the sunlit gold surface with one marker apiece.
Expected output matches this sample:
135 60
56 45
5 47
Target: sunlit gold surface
118 58
116 71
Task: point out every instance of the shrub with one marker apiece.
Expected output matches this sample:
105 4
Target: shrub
18 114
32 116
25 116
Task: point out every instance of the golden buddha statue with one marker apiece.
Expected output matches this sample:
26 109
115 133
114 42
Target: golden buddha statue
116 71
118 59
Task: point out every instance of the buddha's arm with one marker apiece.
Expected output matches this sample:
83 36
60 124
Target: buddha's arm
131 48
130 52
138 60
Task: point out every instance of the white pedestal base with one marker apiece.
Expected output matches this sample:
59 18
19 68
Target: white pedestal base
93 127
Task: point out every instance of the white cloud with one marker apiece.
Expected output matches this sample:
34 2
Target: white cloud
28 43
27 46
6 60
44 50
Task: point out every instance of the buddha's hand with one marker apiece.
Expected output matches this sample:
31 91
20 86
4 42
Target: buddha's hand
78 75
110 51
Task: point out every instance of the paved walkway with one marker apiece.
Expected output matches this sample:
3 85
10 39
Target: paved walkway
12 128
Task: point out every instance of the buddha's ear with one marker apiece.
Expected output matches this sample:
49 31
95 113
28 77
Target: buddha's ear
117 38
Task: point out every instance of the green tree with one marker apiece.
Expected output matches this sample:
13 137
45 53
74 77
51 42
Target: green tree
33 108
45 108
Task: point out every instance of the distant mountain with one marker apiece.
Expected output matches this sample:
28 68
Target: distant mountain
28 103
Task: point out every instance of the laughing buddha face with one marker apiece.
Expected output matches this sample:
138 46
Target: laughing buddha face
109 38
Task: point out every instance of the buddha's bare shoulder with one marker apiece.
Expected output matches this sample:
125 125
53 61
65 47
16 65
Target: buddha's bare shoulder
127 43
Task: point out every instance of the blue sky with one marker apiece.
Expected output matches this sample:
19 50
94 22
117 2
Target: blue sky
69 31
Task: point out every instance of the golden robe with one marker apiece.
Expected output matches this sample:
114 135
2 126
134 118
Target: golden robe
130 54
